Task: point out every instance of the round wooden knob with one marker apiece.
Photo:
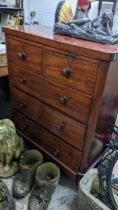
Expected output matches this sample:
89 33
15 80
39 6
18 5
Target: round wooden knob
23 80
56 153
22 105
66 72
22 55
24 128
63 100
60 126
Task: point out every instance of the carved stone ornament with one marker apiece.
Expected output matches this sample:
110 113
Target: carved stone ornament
97 30
6 201
11 146
108 176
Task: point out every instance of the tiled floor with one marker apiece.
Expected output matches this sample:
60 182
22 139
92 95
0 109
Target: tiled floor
64 197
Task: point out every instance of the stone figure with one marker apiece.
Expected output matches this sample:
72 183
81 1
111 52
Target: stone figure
63 12
83 7
11 146
6 201
107 21
46 180
97 30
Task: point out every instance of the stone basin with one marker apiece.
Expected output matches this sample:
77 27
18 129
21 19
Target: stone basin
88 187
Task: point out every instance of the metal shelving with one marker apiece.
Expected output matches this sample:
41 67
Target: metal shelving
11 8
5 11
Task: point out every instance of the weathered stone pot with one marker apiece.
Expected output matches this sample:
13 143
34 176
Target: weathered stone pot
88 188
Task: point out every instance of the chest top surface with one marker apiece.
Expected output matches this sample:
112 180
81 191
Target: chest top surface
44 35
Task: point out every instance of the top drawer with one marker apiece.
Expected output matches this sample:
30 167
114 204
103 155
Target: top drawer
25 55
71 71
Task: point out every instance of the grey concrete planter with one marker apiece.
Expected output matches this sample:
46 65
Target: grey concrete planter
88 184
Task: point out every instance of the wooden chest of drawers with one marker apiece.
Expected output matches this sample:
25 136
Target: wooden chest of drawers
63 90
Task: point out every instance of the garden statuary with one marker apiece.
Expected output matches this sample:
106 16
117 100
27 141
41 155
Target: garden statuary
108 174
63 12
11 146
6 201
24 179
46 180
83 7
97 30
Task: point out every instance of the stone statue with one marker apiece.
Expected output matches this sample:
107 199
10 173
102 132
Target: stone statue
107 21
6 201
11 146
97 30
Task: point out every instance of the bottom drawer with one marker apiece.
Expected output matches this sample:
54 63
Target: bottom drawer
63 153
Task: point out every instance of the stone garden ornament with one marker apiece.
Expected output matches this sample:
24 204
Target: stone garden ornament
97 30
24 179
6 201
11 146
46 181
108 176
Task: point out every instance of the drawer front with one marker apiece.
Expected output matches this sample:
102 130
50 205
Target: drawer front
70 71
25 104
48 142
67 100
25 55
61 125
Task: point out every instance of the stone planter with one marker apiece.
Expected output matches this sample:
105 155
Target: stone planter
89 184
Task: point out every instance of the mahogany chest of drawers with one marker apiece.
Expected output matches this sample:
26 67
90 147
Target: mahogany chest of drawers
63 90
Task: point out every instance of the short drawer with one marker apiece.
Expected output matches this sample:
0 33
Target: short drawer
71 71
70 101
25 104
48 142
25 55
68 129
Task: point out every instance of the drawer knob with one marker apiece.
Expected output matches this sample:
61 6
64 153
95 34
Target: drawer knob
56 153
63 100
22 55
24 128
60 126
22 105
66 72
23 80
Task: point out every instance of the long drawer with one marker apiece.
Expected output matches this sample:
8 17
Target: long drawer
70 71
25 55
67 100
49 143
68 129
